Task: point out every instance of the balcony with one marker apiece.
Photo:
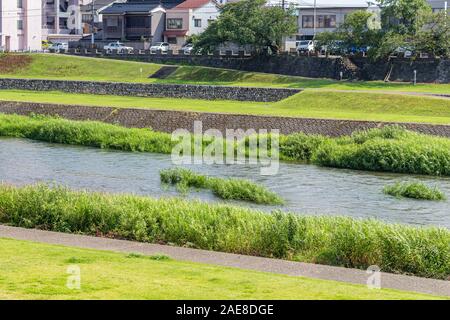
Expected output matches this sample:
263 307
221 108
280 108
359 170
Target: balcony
137 33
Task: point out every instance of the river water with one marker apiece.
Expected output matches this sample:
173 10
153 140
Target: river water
307 189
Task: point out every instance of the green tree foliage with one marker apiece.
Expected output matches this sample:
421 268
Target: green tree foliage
403 16
434 37
248 22
357 30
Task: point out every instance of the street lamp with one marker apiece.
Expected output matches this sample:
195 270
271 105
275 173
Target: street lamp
93 23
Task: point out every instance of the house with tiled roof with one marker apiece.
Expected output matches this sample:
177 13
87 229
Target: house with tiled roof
189 18
136 19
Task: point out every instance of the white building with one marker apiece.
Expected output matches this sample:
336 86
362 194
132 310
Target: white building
20 25
61 20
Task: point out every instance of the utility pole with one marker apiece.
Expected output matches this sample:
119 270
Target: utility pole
93 24
315 18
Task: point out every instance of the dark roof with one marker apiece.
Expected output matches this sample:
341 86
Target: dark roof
98 4
139 6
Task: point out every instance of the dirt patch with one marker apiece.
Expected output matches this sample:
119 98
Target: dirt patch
10 63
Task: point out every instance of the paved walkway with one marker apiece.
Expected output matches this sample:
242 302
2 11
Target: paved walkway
400 282
380 91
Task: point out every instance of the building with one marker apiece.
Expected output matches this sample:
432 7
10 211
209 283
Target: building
61 20
189 18
136 20
90 14
329 14
20 25
438 5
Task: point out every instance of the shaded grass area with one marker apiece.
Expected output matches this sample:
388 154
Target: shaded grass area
414 190
38 271
228 189
390 149
54 66
203 75
339 241
308 104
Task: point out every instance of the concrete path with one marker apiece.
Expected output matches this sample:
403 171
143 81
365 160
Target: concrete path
400 282
387 92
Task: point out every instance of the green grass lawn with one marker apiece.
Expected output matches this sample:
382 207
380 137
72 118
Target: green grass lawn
53 66
331 105
39 271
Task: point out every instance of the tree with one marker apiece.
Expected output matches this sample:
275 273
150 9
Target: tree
403 16
434 37
359 30
249 22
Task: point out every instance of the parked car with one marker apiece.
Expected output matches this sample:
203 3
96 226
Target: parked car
187 48
357 50
117 46
159 46
336 47
58 47
405 52
306 46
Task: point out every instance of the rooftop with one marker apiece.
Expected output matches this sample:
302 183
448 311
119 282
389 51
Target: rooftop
139 6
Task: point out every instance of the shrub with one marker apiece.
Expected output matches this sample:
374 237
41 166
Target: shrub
228 189
340 241
415 190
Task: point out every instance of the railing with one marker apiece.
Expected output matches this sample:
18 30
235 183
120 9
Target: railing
138 31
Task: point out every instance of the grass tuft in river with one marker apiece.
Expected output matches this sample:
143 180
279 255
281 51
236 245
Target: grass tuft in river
414 190
228 189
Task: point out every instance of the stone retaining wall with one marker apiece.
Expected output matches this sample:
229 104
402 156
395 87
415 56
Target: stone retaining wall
168 121
151 90
358 68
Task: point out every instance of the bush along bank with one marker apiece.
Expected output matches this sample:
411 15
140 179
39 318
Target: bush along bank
414 190
228 189
390 149
338 241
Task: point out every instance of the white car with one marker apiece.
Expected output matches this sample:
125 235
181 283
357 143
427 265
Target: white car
117 46
58 47
187 48
306 46
159 46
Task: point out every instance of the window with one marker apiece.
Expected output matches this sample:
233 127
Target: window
19 4
307 22
138 22
112 22
174 23
50 23
63 23
326 21
20 24
198 23
86 18
172 40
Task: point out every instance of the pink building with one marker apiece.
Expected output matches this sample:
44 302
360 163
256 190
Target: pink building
191 17
20 25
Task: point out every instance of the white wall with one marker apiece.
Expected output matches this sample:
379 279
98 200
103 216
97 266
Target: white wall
11 37
207 12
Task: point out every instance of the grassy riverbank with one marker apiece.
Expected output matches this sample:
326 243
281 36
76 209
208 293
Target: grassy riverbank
308 104
390 149
38 271
339 241
54 66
